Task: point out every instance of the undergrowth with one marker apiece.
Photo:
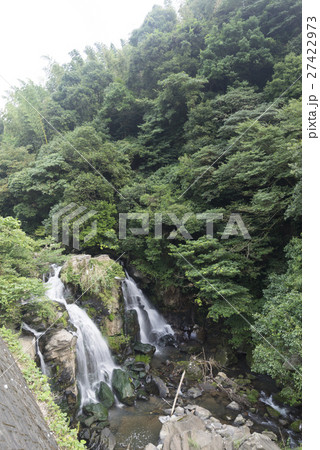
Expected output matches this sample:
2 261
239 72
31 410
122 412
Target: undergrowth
57 421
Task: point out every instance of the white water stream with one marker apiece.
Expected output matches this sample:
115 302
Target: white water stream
37 335
94 359
152 324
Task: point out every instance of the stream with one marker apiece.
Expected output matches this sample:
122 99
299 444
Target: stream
128 423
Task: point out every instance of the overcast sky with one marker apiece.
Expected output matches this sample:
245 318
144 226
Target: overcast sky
30 29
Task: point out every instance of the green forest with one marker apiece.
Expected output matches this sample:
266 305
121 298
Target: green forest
199 112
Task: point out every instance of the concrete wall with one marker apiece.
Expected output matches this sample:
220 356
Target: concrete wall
22 426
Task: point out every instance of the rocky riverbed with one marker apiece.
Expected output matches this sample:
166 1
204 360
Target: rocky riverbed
194 427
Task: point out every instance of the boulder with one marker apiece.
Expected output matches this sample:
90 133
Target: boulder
194 392
234 406
186 423
142 395
179 411
273 412
96 412
168 340
203 413
145 349
122 387
296 426
192 368
239 420
105 395
161 387
270 434
195 439
107 440
150 447
258 441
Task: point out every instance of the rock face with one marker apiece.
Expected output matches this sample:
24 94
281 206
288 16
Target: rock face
29 345
197 429
103 298
131 325
60 354
122 386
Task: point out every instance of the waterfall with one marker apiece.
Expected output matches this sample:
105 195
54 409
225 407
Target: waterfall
94 360
37 335
268 400
152 324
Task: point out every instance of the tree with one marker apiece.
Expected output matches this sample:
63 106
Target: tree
239 51
280 322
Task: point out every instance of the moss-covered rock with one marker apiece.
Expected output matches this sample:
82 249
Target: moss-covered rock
192 368
273 412
105 395
98 281
96 412
296 426
121 385
253 395
145 349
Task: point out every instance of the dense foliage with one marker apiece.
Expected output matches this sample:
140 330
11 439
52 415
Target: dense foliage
198 113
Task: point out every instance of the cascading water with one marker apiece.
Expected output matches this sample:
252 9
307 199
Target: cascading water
94 360
268 400
152 324
37 335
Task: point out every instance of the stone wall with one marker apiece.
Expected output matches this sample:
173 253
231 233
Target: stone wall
22 426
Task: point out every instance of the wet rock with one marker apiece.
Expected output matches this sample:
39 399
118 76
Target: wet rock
96 412
234 406
283 422
224 355
145 349
107 440
140 366
105 395
131 324
198 333
161 386
194 392
167 341
239 420
142 395
273 412
192 368
122 386
296 426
